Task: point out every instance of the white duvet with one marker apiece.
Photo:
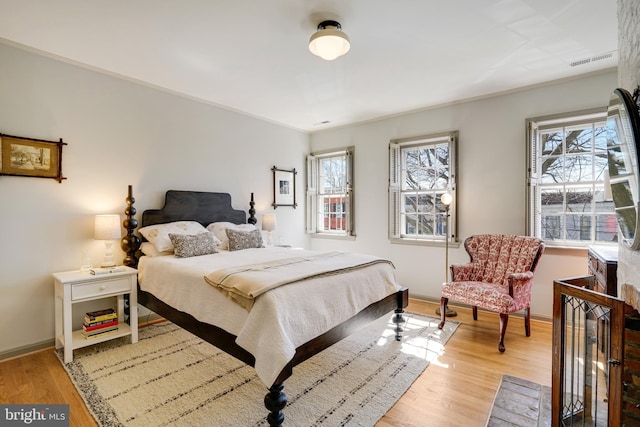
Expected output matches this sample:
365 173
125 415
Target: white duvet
281 319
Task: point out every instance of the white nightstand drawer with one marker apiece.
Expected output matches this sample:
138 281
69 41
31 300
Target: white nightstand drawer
104 287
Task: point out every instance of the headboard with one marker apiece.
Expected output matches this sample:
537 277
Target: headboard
200 206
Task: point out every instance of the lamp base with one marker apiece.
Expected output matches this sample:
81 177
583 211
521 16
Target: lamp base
448 313
108 260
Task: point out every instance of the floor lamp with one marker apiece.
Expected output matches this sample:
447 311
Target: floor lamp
446 200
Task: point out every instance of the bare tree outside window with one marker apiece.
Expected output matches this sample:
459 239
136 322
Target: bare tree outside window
574 207
421 172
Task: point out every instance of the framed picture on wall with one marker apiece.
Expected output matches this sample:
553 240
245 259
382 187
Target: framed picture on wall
31 157
284 187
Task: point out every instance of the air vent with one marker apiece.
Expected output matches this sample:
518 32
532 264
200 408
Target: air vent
592 59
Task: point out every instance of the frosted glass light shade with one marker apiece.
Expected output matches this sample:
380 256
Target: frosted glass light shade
446 199
329 42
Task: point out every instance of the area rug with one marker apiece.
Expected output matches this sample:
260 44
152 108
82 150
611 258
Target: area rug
519 402
171 377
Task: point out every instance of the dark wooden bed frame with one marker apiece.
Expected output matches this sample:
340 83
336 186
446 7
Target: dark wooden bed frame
206 208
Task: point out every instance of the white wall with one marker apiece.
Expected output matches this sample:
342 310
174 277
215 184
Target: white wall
118 133
491 179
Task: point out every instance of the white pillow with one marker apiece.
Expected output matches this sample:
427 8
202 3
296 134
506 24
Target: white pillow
148 249
219 229
158 234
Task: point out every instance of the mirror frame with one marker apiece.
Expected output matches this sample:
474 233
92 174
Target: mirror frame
623 149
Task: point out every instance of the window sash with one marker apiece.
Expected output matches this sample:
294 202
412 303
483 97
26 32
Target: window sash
421 169
330 193
566 201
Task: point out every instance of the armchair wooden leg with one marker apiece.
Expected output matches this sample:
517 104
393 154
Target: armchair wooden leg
443 311
527 321
504 319
475 312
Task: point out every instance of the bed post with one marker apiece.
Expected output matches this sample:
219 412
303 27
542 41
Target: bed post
130 243
275 401
402 300
252 212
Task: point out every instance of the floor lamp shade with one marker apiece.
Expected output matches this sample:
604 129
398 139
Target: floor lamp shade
107 228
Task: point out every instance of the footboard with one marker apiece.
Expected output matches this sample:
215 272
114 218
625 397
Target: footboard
276 400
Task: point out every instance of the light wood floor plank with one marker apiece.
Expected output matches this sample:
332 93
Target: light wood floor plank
456 389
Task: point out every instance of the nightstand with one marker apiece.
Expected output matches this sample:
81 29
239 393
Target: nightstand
72 287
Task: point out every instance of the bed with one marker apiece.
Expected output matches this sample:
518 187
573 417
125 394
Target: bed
197 310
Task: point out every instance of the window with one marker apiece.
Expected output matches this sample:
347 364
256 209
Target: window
569 201
421 170
330 193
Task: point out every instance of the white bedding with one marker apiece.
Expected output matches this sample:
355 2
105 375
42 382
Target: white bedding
281 319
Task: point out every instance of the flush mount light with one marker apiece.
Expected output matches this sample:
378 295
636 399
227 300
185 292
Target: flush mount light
329 42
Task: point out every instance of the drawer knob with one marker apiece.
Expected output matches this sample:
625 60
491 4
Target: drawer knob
103 287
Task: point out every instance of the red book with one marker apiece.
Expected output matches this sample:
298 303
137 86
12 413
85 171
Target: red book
100 326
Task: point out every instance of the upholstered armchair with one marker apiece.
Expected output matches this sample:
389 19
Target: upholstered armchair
498 278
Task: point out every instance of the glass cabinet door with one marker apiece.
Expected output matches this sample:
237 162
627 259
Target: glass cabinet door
587 355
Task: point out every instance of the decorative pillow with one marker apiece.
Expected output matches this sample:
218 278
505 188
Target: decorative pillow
239 240
219 229
158 234
186 245
148 249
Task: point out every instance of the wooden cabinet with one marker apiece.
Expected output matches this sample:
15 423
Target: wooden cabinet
603 264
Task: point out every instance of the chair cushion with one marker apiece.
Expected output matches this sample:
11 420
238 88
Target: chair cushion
490 296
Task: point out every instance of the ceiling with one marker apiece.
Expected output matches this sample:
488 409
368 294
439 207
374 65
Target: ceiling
252 56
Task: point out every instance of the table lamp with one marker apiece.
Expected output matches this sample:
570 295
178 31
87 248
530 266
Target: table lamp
107 228
268 225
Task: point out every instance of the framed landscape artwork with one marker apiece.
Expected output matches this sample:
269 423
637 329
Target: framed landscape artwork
31 157
284 187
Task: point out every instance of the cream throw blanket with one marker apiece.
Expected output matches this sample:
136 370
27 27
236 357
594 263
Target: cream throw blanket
243 284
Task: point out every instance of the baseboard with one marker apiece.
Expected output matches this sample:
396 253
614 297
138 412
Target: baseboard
24 350
43 345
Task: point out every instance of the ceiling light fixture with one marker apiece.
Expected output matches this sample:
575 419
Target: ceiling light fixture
329 42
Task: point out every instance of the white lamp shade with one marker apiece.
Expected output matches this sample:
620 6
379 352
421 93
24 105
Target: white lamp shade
329 42
107 227
269 222
446 199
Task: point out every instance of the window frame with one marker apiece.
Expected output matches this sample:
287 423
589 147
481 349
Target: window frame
313 194
396 174
596 118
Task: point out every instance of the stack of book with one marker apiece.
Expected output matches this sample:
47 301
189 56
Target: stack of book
100 323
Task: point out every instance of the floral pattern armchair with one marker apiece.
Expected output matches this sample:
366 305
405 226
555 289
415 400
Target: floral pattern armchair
498 278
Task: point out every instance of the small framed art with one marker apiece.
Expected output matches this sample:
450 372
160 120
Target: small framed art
284 187
31 157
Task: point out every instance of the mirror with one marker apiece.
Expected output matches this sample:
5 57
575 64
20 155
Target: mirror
623 145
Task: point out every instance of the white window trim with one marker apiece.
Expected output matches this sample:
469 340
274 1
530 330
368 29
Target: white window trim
395 184
533 201
312 195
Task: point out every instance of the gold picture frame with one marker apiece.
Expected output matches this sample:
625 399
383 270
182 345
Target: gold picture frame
30 157
284 187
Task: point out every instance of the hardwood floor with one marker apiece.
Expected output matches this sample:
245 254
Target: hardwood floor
457 389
